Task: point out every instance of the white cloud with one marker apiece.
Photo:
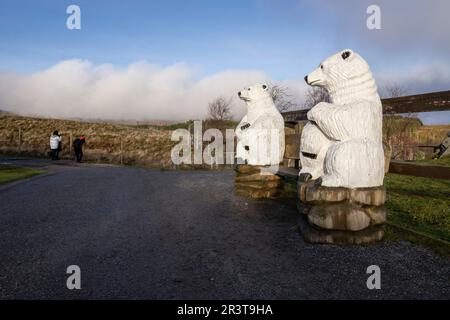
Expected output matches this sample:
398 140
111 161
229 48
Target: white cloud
142 91
417 79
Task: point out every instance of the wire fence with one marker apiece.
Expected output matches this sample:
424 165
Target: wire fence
132 147
125 148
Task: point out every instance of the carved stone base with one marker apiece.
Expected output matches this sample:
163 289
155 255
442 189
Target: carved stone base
251 182
340 208
314 235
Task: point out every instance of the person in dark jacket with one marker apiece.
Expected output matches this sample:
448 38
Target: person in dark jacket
78 148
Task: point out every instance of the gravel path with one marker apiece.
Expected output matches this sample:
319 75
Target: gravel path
139 233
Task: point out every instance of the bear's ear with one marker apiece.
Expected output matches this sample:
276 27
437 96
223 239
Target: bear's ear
264 87
345 54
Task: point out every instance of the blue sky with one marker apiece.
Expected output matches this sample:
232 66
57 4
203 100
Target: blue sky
215 35
256 39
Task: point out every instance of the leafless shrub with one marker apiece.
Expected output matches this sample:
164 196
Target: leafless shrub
314 95
394 90
398 129
220 109
281 97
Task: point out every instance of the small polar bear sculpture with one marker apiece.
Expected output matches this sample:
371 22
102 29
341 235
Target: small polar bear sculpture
342 142
260 134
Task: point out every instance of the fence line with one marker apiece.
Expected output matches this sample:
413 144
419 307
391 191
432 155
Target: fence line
433 101
18 144
427 102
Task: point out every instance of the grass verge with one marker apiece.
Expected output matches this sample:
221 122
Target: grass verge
435 162
419 204
12 173
418 210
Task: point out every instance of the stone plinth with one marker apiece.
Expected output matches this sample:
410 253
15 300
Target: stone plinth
312 234
252 182
342 209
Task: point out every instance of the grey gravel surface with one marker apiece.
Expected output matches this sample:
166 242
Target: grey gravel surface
140 233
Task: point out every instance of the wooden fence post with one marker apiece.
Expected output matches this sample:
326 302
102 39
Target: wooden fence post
70 143
121 150
20 140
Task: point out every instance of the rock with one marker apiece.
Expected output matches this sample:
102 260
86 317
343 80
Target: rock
341 208
256 177
369 196
244 168
314 235
312 192
377 214
255 182
255 185
257 194
340 216
326 194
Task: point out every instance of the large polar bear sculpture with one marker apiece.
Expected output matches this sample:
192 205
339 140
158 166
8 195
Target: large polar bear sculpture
260 134
342 143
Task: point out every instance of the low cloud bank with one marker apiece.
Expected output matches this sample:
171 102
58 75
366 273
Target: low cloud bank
142 91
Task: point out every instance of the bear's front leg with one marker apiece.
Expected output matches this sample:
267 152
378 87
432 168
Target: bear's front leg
357 163
313 148
242 152
343 122
315 112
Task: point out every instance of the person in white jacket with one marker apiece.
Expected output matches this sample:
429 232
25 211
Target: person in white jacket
55 145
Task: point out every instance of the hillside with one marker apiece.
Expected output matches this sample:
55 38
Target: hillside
144 145
149 144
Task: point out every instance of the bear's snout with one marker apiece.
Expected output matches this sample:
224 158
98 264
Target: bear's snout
306 78
239 93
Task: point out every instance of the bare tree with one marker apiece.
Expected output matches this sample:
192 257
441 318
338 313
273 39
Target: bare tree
220 109
398 129
394 90
281 97
314 95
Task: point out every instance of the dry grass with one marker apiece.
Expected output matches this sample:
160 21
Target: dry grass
150 145
143 146
407 137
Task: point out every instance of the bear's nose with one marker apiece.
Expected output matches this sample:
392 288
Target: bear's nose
239 93
306 79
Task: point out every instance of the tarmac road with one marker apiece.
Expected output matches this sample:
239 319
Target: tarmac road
140 233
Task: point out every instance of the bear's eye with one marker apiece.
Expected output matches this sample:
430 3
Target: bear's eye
264 86
248 89
321 66
345 54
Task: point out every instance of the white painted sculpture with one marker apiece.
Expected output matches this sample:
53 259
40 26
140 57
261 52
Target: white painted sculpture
260 134
314 146
342 143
